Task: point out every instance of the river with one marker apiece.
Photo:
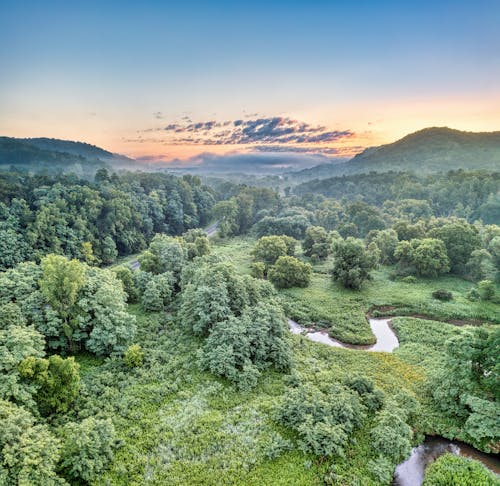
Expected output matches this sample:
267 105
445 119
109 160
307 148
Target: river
386 338
410 472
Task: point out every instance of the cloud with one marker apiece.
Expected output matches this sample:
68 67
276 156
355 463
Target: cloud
275 130
251 162
158 115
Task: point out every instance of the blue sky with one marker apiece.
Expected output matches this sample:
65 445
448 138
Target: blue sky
107 72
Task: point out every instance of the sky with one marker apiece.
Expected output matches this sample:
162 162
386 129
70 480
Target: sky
164 80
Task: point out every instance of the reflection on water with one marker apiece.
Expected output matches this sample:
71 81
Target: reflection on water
411 472
386 339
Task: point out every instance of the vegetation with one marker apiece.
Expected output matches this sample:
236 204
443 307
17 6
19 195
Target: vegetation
451 469
352 263
175 365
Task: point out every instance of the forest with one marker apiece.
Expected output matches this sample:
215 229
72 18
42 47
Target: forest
163 329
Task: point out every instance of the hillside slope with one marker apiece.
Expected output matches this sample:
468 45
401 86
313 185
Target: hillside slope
426 151
53 155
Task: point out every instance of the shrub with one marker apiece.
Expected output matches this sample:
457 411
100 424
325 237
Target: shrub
134 356
257 269
473 295
290 272
323 419
486 289
450 469
410 279
442 294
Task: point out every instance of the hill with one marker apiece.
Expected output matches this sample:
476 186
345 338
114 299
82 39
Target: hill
53 156
427 151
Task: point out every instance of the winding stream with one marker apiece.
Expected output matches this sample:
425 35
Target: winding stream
386 339
410 472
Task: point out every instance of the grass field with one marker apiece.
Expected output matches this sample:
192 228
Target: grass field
327 305
178 425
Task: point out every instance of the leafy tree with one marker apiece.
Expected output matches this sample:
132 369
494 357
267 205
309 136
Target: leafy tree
290 272
32 458
108 327
158 292
87 253
294 225
465 386
258 269
126 277
352 263
11 315
87 449
425 257
226 212
61 283
57 381
13 248
239 348
165 254
460 240
269 248
108 250
16 344
317 243
151 298
202 306
386 241
481 266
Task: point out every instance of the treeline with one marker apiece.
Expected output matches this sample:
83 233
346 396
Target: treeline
466 194
95 221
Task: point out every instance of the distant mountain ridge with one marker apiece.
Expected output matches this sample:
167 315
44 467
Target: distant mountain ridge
436 149
54 155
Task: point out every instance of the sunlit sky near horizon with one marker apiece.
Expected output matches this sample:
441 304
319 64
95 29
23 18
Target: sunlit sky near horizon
166 80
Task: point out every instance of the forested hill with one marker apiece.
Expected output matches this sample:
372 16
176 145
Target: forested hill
427 151
54 156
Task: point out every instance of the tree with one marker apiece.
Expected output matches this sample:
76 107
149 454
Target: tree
269 248
87 448
290 272
465 386
87 253
317 243
226 212
352 263
61 283
108 250
460 240
239 348
13 248
108 327
32 458
386 241
481 266
324 419
16 344
57 381
426 257
126 277
165 254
